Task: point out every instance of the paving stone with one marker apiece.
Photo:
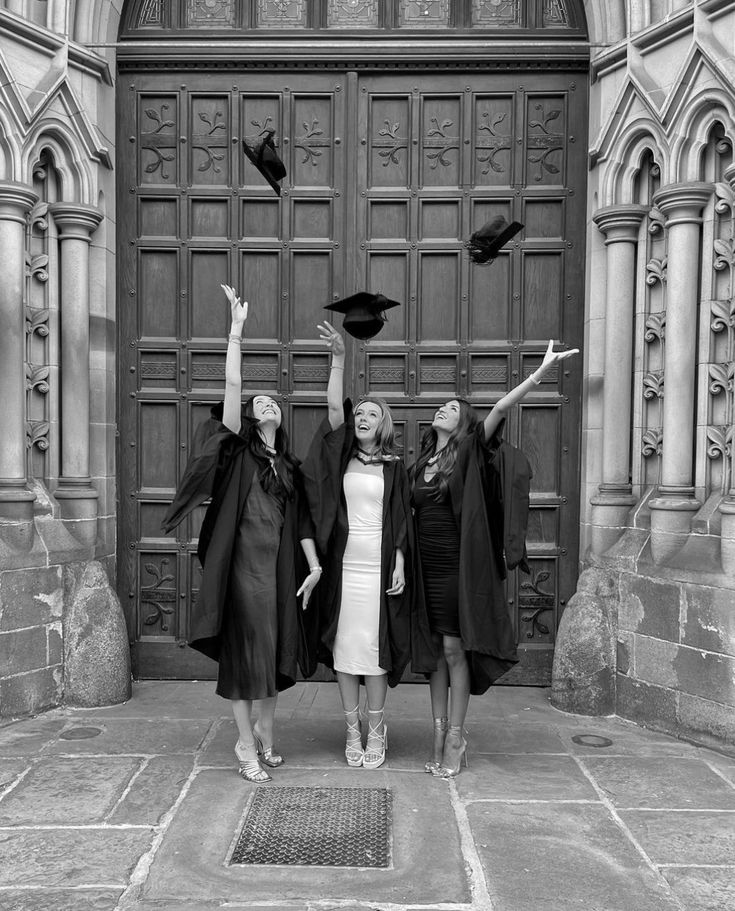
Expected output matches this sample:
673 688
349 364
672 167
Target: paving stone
70 857
140 737
154 791
498 737
703 889
678 783
10 770
558 857
169 699
26 738
524 777
671 837
191 861
67 791
628 739
60 900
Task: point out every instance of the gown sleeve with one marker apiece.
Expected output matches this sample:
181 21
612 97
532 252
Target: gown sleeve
322 472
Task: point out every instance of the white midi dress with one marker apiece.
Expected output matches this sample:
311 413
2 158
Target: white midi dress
356 643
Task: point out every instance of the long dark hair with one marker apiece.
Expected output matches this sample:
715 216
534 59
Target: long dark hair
284 462
468 421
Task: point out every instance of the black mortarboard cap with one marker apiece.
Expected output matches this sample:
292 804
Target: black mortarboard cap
265 158
364 313
485 244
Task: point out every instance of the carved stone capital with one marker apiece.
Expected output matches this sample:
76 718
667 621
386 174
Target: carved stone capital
620 223
16 201
75 221
682 203
729 175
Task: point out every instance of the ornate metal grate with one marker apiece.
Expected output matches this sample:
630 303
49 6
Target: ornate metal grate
321 827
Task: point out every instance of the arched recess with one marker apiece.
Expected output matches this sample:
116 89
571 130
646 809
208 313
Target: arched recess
70 161
395 152
694 129
607 22
619 181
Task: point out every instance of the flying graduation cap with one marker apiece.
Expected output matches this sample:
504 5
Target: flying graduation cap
364 313
265 158
485 244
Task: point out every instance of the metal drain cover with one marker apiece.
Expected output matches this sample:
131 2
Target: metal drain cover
320 827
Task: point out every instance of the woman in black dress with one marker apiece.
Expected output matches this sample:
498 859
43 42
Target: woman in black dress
246 615
453 497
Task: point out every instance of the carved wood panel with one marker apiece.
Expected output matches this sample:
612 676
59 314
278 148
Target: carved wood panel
387 177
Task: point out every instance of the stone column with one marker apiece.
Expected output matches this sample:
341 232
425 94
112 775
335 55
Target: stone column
75 494
674 505
16 500
727 507
620 226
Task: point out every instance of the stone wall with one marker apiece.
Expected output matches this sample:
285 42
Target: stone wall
62 636
649 632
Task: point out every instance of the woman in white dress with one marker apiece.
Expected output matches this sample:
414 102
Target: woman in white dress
358 493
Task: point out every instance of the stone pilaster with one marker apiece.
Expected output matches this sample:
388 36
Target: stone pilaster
727 507
620 225
16 500
77 498
673 507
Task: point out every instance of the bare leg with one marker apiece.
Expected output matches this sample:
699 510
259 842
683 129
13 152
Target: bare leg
349 691
377 689
242 709
459 682
266 716
439 690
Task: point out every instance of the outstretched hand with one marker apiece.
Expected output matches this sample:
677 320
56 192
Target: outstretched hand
239 310
331 338
553 357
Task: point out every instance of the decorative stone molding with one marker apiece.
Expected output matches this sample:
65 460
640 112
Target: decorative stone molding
620 226
77 498
674 505
723 319
16 500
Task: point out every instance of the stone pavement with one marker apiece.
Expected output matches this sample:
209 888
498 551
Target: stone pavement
137 807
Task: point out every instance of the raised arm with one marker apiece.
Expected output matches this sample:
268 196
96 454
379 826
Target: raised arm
335 387
519 392
233 376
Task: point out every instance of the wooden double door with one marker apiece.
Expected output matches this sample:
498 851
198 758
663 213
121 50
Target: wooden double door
388 174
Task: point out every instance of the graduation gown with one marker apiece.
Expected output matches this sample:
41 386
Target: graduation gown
323 470
477 491
222 466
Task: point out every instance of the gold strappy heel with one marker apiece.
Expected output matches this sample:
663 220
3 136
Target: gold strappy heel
453 756
250 769
266 754
440 733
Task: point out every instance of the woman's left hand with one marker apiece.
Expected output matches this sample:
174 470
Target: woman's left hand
398 582
308 586
553 357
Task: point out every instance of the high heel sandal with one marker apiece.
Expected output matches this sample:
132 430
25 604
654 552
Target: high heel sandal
354 753
250 769
374 759
440 733
266 754
453 756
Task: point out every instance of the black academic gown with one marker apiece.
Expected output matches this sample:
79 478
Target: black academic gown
323 470
222 466
476 495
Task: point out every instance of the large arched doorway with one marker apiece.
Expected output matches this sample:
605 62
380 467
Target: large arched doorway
404 126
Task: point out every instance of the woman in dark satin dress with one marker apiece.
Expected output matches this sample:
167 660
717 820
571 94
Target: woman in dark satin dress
246 615
453 461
